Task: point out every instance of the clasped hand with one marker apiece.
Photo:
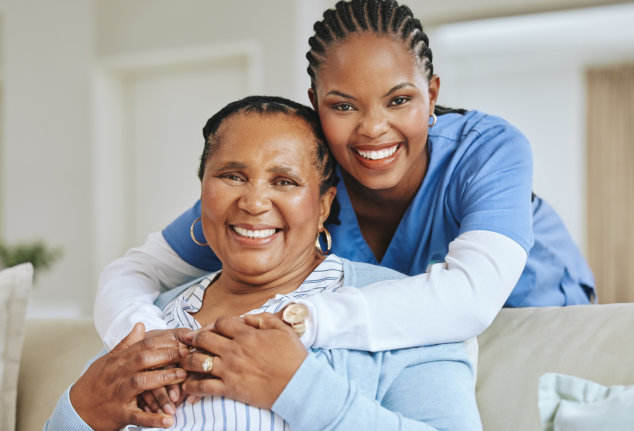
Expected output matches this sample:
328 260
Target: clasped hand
143 379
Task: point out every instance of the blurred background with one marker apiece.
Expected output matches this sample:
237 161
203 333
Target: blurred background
103 102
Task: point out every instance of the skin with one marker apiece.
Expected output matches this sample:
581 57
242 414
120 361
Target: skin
122 374
260 180
372 94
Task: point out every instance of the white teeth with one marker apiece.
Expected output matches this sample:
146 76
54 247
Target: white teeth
260 233
378 155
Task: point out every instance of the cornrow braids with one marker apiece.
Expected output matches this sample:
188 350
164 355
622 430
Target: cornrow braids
269 106
378 16
385 17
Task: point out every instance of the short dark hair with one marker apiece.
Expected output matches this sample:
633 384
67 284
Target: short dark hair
273 105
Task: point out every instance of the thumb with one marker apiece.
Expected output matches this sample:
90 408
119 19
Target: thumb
264 321
136 334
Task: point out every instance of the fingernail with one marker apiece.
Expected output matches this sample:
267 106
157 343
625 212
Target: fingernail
173 394
189 336
183 351
167 421
169 409
190 399
180 374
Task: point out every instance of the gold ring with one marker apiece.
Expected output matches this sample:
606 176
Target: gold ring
208 364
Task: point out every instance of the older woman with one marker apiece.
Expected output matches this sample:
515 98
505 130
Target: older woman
267 190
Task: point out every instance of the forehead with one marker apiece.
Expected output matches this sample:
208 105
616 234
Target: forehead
366 54
256 135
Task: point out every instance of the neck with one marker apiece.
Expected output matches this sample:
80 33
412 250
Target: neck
234 294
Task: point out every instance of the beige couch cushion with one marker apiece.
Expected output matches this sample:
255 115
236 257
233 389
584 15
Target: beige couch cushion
592 342
69 344
15 286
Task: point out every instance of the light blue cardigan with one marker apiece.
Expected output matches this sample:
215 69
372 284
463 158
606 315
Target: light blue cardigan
421 388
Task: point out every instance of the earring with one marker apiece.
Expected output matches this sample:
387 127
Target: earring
328 242
191 232
433 123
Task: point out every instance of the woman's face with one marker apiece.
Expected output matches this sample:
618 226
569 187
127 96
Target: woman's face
261 205
374 102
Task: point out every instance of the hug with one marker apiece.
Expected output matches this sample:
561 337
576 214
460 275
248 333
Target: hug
397 228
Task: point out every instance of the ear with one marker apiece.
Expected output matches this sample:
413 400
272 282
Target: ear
434 89
325 204
313 98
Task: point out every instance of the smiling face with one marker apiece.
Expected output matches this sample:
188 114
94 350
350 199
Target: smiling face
374 102
261 203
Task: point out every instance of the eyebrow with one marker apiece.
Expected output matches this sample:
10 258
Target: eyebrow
284 170
339 93
389 92
233 165
398 87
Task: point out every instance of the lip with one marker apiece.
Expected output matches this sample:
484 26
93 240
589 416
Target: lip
383 162
253 241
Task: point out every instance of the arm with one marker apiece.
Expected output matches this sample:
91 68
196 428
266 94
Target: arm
484 192
433 392
452 301
105 396
129 285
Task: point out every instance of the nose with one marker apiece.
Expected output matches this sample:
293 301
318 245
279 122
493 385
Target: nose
373 124
254 199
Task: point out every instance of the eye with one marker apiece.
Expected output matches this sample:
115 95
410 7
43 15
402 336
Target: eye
284 183
344 107
233 177
400 100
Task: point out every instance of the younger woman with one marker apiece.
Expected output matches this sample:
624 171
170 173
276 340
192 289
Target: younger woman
444 196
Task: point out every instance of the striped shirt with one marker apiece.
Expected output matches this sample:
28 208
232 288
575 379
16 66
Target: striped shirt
220 413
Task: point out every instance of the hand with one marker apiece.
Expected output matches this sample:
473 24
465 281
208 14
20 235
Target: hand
166 398
255 357
105 396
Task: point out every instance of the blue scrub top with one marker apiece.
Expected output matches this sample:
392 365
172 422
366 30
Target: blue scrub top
479 178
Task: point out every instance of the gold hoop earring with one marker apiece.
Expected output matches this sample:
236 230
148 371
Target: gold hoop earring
191 232
433 123
328 242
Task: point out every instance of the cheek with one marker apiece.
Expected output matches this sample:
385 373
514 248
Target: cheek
336 130
415 126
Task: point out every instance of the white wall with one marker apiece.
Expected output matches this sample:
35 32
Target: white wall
531 71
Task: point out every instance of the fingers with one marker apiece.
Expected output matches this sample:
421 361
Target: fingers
136 334
265 321
149 380
150 420
202 363
149 404
199 387
174 392
161 396
232 327
150 353
210 341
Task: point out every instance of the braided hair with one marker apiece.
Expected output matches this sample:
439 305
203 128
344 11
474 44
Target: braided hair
269 106
384 17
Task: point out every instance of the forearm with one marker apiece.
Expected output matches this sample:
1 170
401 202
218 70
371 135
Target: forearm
65 418
129 285
317 398
453 301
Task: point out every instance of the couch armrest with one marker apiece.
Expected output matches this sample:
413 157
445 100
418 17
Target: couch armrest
595 342
54 354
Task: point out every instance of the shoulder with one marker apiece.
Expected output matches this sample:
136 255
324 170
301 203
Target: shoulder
360 274
475 129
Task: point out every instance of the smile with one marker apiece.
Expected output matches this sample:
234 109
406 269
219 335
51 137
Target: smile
257 233
379 154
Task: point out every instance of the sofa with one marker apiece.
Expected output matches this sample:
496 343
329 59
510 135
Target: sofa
593 343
